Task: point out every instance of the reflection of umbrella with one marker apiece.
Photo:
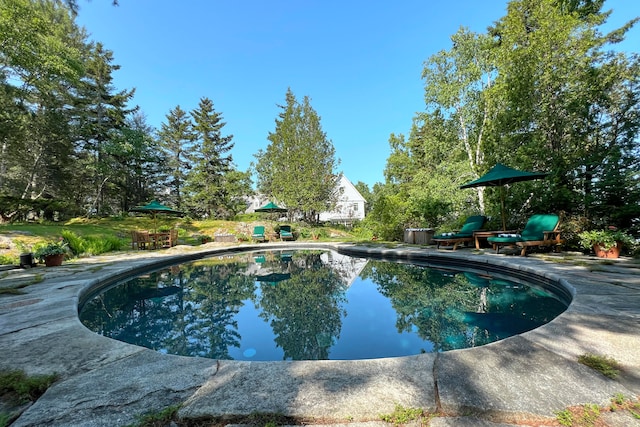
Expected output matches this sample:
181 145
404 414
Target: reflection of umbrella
155 208
271 207
499 176
273 278
156 293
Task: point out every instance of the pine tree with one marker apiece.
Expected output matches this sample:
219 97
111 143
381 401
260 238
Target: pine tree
101 113
176 139
212 161
297 168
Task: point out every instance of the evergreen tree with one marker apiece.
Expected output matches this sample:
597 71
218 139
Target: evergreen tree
205 187
176 139
297 168
40 60
137 162
101 115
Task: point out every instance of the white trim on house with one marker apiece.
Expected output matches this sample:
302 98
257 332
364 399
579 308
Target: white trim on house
350 206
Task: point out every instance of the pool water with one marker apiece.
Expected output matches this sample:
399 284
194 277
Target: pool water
313 305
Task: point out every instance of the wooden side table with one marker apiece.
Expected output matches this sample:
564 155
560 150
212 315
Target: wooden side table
484 234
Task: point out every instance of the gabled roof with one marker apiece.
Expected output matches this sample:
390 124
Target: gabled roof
348 185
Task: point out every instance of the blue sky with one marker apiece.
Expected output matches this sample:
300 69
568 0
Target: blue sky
358 61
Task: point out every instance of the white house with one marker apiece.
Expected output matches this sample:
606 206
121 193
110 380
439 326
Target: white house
350 206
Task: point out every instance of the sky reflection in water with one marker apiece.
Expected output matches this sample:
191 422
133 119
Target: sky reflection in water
312 305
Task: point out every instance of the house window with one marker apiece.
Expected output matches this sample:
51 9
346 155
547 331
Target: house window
354 207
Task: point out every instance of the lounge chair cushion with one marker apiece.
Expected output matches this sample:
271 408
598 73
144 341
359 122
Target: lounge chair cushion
533 230
473 223
258 232
285 232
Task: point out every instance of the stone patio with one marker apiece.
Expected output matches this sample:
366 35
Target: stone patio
524 379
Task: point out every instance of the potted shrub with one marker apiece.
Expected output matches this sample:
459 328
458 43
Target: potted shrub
606 243
52 253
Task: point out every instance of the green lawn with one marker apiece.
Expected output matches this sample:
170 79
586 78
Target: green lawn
25 236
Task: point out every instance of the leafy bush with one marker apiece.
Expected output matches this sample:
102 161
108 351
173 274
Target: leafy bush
103 244
76 243
8 259
92 245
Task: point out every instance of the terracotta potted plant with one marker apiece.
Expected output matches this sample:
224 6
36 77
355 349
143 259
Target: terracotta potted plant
52 253
606 243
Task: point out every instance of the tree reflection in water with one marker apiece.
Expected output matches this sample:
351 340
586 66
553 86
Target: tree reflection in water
293 305
306 313
455 309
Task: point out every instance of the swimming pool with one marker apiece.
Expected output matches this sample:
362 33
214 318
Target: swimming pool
315 304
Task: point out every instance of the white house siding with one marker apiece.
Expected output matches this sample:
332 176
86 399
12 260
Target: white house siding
350 206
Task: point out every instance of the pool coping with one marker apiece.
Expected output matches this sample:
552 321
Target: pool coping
527 377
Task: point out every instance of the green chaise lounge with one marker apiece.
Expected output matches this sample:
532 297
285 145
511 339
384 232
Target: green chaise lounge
258 234
286 233
540 230
464 235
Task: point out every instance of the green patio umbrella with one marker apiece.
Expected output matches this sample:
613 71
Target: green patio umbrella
271 207
154 208
501 175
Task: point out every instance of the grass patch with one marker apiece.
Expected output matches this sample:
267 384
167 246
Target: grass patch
157 419
589 415
20 388
621 403
579 416
96 236
607 366
169 416
11 291
15 290
402 415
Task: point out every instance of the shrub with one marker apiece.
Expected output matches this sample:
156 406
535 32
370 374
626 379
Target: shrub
76 243
92 245
9 260
103 244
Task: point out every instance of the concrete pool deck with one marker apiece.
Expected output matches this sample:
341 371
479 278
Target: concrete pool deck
522 380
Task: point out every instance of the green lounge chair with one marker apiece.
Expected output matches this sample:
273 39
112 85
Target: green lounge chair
464 235
286 233
258 234
540 230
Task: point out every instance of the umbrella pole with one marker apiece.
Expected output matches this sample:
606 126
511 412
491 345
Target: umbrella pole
504 221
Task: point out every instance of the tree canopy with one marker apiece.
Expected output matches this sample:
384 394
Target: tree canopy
543 89
298 166
71 142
